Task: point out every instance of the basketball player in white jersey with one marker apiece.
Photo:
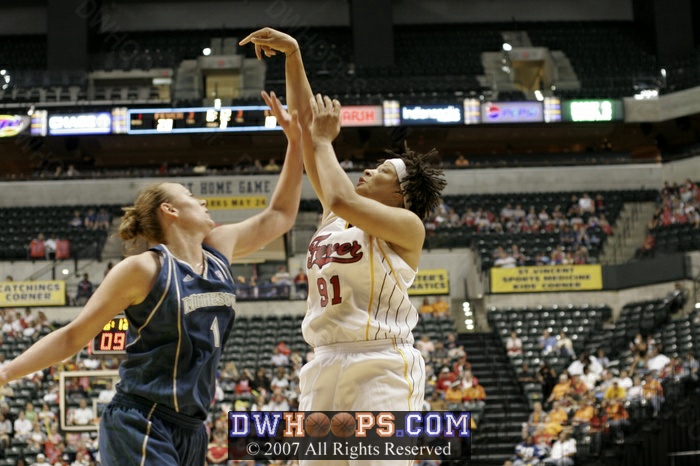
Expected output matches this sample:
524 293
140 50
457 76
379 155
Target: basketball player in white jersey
360 262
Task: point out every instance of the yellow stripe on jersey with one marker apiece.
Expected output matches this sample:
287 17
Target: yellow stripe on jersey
405 372
148 434
177 352
371 288
396 279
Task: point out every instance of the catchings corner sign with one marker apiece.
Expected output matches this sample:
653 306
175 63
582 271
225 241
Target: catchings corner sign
12 125
37 293
430 282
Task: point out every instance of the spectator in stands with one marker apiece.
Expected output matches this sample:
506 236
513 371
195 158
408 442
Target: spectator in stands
85 290
602 359
22 427
426 309
535 420
5 431
563 451
565 346
37 247
615 392
282 281
453 397
90 220
527 453
50 247
514 346
76 221
272 166
474 398
677 298
217 451
40 461
547 378
71 172
301 284
652 391
280 381
558 414
547 342
657 361
634 393
103 220
505 261
436 402
426 346
617 417
625 381
83 415
36 437
441 307
560 389
524 375
461 161
279 359
445 380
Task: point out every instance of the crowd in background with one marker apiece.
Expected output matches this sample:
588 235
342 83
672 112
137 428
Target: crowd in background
578 225
592 398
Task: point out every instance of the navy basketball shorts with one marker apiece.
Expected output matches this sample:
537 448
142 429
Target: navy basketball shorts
131 435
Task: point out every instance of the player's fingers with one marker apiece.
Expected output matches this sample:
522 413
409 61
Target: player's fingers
249 38
336 105
266 98
314 105
319 102
258 53
328 104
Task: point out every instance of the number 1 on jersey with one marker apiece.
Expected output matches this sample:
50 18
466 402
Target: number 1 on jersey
323 290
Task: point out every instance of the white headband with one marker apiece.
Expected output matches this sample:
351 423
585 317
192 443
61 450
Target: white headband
400 166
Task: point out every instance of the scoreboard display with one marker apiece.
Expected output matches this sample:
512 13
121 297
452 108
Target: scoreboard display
112 337
200 120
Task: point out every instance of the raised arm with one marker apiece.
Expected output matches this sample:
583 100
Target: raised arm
241 239
398 226
269 41
129 282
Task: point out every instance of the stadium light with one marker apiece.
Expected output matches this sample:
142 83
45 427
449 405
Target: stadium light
217 104
507 47
697 305
663 72
7 78
65 271
206 52
3 72
538 95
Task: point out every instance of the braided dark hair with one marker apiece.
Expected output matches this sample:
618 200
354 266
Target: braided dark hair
423 183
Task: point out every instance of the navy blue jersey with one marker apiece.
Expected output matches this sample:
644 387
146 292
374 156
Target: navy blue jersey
177 333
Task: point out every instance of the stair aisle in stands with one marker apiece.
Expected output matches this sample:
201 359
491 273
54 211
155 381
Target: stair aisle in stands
498 431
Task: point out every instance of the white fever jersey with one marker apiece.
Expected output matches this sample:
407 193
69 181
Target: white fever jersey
357 288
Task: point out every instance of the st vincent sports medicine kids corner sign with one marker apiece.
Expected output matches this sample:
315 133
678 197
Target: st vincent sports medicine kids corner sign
546 278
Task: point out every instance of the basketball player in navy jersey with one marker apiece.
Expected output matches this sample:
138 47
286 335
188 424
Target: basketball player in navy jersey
179 299
360 262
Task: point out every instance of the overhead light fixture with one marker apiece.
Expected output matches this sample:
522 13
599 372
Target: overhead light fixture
206 52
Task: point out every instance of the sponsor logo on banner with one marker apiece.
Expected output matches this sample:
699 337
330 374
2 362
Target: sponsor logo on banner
431 114
362 115
546 278
430 282
37 293
512 112
86 123
12 125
